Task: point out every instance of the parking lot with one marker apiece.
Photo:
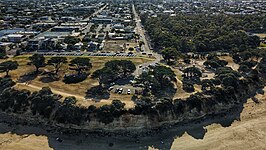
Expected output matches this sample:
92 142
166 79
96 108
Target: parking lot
87 54
127 89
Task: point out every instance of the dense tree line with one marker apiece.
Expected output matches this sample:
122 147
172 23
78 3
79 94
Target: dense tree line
204 33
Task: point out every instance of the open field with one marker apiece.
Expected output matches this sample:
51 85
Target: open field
78 90
117 45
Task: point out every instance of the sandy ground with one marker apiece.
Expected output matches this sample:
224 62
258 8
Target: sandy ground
249 133
23 142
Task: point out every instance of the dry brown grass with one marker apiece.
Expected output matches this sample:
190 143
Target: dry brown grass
78 90
114 45
262 35
230 61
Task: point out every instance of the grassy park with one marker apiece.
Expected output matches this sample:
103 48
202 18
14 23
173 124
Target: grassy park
59 87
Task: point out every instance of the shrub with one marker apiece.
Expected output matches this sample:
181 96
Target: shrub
75 78
188 87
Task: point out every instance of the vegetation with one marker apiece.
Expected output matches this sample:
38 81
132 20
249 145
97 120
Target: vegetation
214 62
2 54
187 33
192 72
8 66
71 40
80 64
57 62
158 81
114 70
170 54
38 61
228 87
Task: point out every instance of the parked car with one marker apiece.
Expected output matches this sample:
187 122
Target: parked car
120 91
116 90
110 88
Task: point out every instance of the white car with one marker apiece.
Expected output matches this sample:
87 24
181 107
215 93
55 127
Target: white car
110 88
128 91
120 91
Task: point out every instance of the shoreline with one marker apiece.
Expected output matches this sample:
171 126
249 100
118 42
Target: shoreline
222 117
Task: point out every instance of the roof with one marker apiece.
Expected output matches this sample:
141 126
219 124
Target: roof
15 36
5 44
53 34
10 31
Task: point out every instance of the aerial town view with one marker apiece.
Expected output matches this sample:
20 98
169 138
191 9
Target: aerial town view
132 74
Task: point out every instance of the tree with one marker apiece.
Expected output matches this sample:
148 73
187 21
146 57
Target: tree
71 40
57 62
192 72
107 113
141 43
164 75
38 61
8 66
6 83
264 23
104 75
80 64
215 63
114 70
2 53
207 84
124 68
170 54
158 81
131 49
70 100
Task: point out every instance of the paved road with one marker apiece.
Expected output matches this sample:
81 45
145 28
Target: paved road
75 53
141 32
95 13
87 29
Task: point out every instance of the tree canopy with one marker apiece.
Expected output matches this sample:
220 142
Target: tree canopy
57 62
38 61
7 66
170 54
71 40
188 33
158 80
114 70
80 64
